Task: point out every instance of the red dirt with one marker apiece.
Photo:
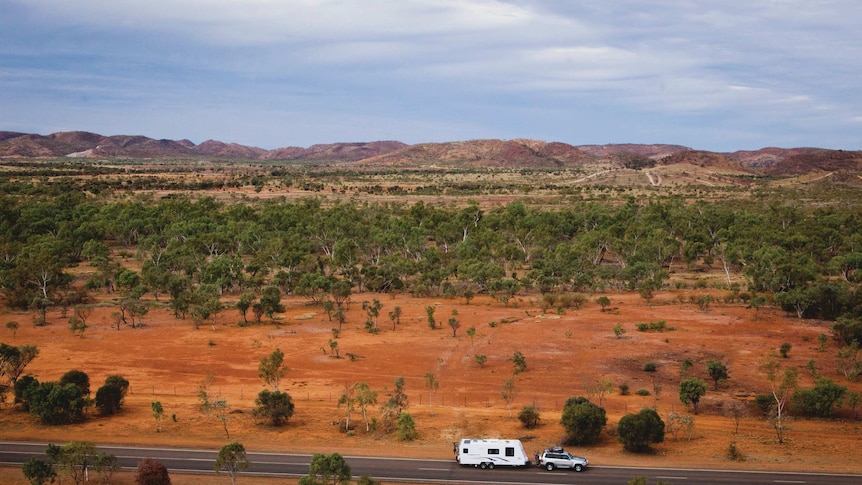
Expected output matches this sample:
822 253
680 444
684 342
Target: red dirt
168 358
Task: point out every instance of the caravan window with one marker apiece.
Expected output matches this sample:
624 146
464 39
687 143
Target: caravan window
510 452
493 451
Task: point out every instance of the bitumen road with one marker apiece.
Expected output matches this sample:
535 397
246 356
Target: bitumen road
432 471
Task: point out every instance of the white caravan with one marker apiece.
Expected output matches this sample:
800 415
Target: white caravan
491 452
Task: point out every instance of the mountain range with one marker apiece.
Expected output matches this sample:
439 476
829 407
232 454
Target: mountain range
517 153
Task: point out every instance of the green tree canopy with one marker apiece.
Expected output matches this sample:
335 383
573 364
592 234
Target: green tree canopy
583 421
637 431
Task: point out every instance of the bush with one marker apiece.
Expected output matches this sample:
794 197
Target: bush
406 427
529 417
637 431
764 403
820 401
274 406
624 389
109 398
152 472
733 452
642 392
55 404
649 367
583 421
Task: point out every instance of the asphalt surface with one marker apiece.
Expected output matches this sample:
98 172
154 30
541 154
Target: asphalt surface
432 471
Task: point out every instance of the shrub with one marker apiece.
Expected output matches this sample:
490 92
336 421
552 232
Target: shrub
785 349
642 392
152 472
406 427
583 421
820 401
733 452
529 417
637 431
649 367
624 389
764 403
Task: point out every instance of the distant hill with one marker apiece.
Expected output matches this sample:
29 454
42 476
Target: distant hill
518 153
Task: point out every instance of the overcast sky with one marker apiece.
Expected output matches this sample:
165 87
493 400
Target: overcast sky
714 74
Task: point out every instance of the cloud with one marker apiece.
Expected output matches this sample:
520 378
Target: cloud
426 64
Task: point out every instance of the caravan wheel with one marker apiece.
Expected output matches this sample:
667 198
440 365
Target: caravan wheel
490 466
483 465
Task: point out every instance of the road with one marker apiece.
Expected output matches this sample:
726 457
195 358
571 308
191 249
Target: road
432 471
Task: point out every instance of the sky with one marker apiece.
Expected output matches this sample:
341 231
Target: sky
719 75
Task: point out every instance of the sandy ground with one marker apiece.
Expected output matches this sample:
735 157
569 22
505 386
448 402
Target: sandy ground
565 352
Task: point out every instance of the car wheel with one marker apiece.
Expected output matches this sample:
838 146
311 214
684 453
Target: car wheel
579 467
549 467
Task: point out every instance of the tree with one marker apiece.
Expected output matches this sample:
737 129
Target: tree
432 384
736 410
507 392
429 310
637 431
471 332
690 392
785 349
365 397
406 427
583 421
243 304
454 324
717 371
109 397
782 385
519 361
76 458
158 414
820 401
604 302
270 301
397 402
77 326
105 465
348 400
395 316
275 406
272 369
327 469
152 472
529 417
57 404
38 472
78 378
13 360
600 389
232 459
372 311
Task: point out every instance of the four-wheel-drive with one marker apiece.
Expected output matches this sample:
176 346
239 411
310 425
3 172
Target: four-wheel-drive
559 458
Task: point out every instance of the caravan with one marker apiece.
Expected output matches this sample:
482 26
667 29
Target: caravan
489 453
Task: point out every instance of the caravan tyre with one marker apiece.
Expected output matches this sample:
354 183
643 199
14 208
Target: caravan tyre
483 465
490 466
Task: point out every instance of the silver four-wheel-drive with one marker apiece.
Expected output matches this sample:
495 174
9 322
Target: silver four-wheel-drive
559 458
